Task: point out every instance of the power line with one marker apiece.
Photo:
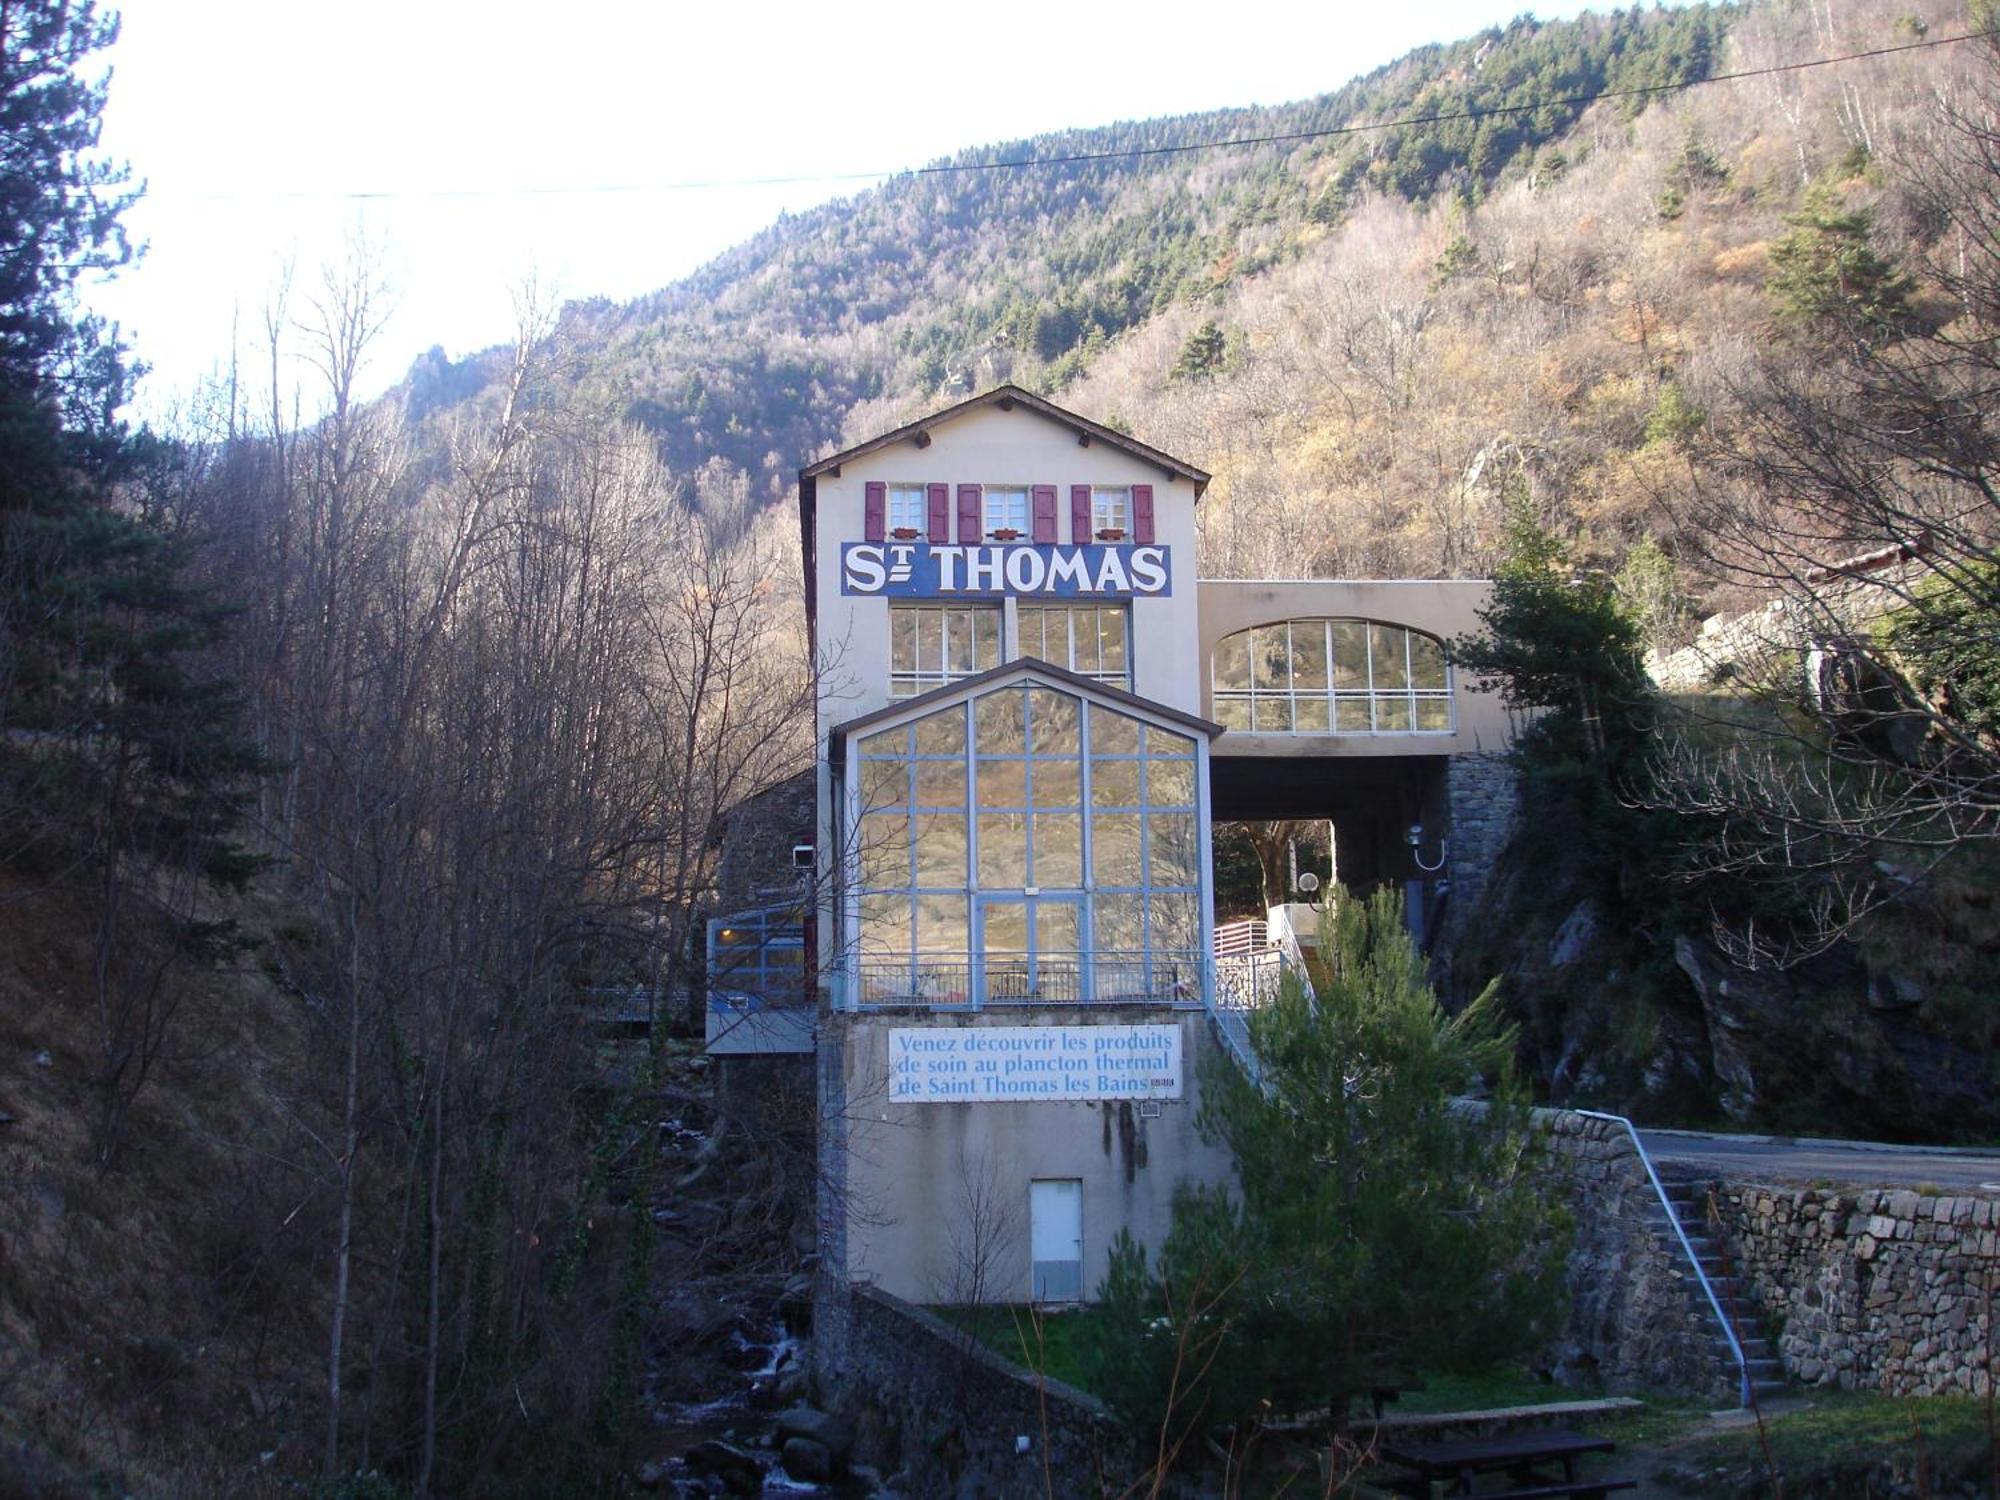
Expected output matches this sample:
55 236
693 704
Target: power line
1085 158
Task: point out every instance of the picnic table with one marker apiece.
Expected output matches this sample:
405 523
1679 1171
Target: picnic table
1529 1461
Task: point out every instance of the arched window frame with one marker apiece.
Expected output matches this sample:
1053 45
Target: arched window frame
1334 676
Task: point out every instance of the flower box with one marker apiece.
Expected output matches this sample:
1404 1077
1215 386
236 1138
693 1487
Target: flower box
1005 534
905 533
1111 534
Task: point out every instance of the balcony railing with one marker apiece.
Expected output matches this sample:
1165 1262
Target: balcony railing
972 981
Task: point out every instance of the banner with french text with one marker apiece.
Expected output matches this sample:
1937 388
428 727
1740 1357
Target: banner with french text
919 570
1015 1064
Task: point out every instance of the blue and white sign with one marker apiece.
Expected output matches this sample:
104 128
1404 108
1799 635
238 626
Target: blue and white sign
1013 1064
918 570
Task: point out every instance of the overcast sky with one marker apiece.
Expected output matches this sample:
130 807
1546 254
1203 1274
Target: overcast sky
473 144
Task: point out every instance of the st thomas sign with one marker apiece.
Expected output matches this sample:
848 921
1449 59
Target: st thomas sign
919 570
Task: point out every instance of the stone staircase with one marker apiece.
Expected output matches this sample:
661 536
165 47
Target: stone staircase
1689 1196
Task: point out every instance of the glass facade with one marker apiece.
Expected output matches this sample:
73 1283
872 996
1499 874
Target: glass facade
1027 845
1332 677
930 645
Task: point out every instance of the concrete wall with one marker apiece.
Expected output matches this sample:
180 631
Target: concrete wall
1441 607
938 1414
914 1193
1876 1289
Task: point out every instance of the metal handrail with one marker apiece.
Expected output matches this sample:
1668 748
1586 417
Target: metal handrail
1666 1205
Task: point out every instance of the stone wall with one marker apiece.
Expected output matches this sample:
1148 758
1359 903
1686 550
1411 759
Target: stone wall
1638 1318
937 1413
1482 795
1887 1290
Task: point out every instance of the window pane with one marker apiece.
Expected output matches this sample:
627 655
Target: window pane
1058 783
1426 661
1114 783
1434 713
1272 715
959 655
885 849
1003 783
941 849
1001 729
1350 654
1110 510
1114 853
1270 657
1351 716
1003 850
885 926
894 742
903 639
941 924
942 733
1170 783
1111 634
1004 927
1119 923
906 507
1310 716
1233 713
1165 742
1392 712
884 783
941 783
1058 850
1176 923
1232 661
1309 653
986 637
1055 927
1113 733
1385 650
1054 718
1172 849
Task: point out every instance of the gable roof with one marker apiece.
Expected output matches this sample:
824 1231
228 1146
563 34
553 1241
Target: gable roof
1008 398
1028 667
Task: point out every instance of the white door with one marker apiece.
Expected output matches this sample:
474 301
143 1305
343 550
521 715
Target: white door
1055 1238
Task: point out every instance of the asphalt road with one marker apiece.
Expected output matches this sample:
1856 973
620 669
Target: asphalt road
1748 1157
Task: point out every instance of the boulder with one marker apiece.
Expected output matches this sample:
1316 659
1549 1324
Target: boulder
807 1461
736 1469
816 1426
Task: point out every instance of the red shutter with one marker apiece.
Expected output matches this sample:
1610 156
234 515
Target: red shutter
968 513
1079 513
1044 501
1142 514
873 525
939 498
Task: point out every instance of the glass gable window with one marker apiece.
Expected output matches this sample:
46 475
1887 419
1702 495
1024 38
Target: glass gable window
1006 509
1332 677
930 645
908 509
1027 846
1092 640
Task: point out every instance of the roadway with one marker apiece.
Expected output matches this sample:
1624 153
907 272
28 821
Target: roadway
1747 1158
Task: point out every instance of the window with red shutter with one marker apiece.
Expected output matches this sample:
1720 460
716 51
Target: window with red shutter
970 526
940 513
1079 513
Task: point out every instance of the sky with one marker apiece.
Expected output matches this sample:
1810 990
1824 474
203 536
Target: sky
609 147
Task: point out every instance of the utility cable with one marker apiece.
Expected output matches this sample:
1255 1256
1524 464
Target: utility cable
1086 158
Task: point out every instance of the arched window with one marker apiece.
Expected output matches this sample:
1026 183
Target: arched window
1332 677
1027 845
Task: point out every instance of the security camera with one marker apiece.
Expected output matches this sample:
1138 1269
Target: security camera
802 856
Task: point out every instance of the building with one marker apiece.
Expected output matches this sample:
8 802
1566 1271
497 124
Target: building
1030 717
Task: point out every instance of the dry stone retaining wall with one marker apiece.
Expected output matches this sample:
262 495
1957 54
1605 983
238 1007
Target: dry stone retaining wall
1871 1289
1638 1318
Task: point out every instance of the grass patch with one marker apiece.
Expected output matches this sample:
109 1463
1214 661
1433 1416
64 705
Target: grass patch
1049 1342
1846 1432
